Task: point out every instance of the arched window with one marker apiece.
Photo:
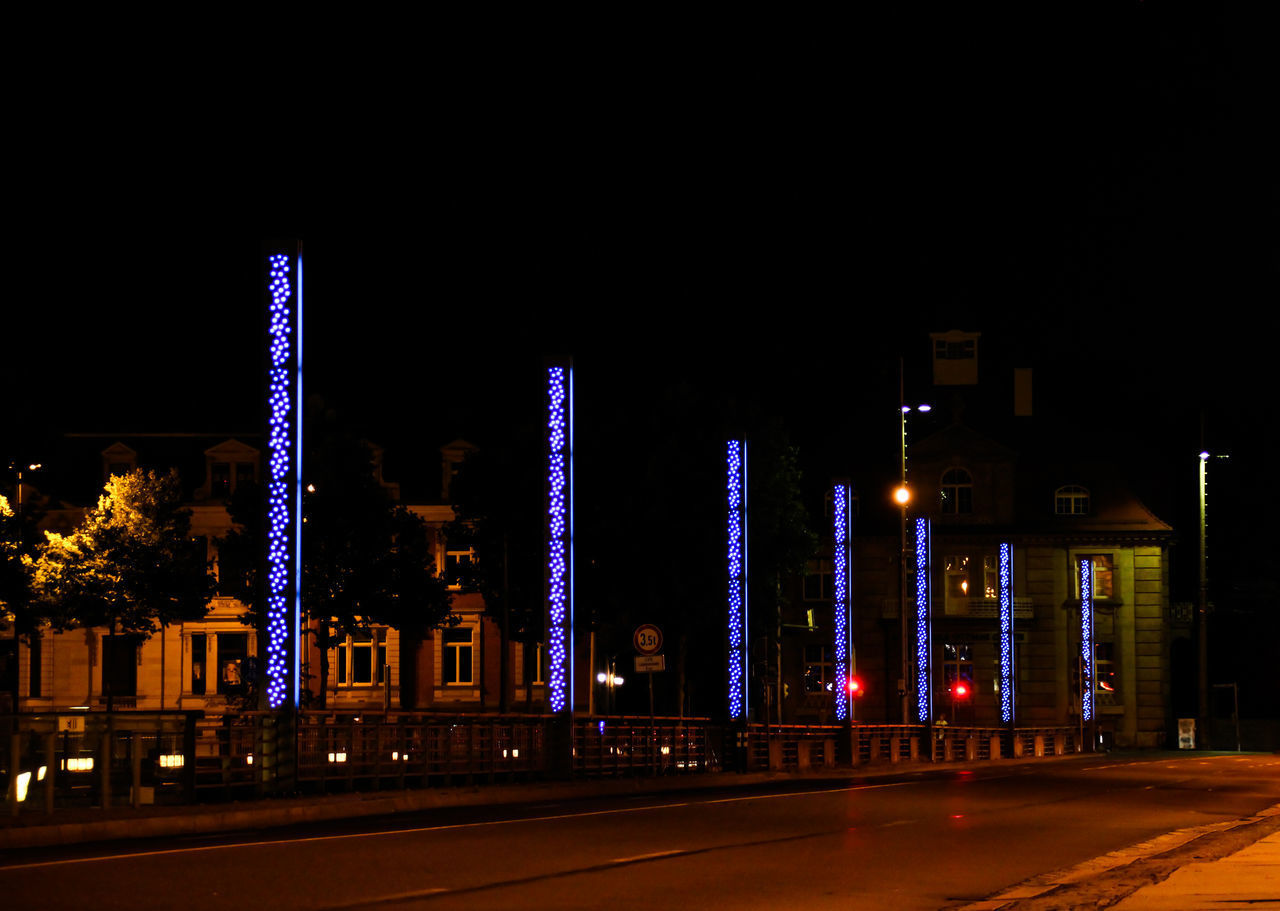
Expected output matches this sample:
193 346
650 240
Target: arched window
957 492
1071 500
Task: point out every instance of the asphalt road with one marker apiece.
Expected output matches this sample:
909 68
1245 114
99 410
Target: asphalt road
922 842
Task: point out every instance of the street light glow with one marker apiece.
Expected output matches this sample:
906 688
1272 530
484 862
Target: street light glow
902 495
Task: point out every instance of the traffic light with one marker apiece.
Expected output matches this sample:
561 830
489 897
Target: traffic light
855 687
961 689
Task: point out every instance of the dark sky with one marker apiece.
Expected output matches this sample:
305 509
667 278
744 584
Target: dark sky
789 204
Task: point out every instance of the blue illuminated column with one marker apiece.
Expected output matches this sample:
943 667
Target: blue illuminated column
1086 639
284 479
559 535
737 563
924 625
1007 675
842 604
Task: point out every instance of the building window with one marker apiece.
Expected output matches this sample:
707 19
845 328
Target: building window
991 576
456 648
220 479
533 664
1104 576
457 568
361 658
120 665
199 651
1071 500
957 664
35 662
957 492
956 567
819 579
1106 680
817 669
964 349
233 659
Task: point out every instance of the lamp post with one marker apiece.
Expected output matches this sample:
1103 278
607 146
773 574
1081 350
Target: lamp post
611 681
902 496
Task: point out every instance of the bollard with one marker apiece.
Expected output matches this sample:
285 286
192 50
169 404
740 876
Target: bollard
995 746
915 747
804 757
970 748
1059 744
775 754
1039 746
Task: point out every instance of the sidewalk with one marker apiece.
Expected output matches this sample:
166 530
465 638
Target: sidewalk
1249 878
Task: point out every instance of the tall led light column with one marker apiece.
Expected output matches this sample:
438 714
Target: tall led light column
924 624
559 535
842 603
736 487
284 475
1086 639
1007 673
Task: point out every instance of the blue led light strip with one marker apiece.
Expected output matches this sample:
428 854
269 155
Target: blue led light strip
841 603
560 537
924 690
1006 633
737 566
1086 639
284 446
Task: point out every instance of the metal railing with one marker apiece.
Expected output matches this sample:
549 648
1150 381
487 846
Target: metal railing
623 745
103 759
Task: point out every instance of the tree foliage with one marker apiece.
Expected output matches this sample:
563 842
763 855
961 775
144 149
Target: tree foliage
130 565
497 509
365 559
16 605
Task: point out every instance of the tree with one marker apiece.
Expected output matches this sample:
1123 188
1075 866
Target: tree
130 566
366 561
15 576
497 510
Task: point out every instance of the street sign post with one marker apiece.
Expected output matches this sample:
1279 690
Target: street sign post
647 639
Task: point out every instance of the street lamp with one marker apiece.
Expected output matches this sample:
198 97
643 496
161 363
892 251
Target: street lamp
1202 609
611 681
902 497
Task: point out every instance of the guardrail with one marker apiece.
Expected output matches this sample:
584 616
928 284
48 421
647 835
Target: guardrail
804 747
623 745
100 759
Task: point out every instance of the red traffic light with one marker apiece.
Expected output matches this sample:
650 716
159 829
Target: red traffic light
855 686
961 689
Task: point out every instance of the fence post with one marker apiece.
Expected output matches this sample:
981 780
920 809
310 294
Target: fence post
105 747
135 769
15 760
50 768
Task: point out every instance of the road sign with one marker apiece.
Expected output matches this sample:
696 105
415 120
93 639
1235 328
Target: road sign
647 664
647 639
71 724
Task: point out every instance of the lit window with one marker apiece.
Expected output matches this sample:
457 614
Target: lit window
1106 680
957 582
1071 500
360 659
457 568
991 576
1104 576
957 492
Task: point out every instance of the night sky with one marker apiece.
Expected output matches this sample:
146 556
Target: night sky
777 207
